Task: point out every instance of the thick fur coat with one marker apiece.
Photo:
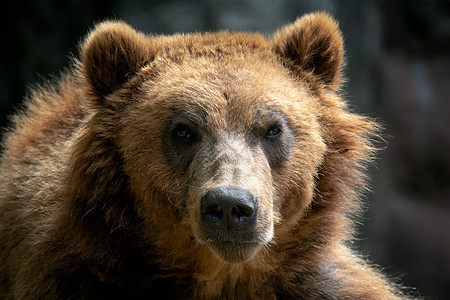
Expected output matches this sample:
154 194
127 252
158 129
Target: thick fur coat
219 165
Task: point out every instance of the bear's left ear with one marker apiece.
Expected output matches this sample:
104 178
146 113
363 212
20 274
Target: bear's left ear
313 44
111 54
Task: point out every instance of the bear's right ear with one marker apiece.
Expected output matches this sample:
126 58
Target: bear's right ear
111 54
313 45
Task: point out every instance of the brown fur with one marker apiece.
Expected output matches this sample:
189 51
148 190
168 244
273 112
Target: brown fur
95 201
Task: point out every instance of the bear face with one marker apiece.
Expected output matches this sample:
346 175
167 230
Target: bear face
224 142
216 131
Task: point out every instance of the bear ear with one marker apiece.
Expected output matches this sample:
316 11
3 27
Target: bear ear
313 44
111 54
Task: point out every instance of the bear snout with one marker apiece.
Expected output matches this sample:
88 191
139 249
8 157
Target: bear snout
229 219
228 210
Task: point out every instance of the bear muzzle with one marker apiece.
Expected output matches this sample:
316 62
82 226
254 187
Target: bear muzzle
228 216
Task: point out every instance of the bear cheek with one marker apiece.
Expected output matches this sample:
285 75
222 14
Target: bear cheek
298 190
150 178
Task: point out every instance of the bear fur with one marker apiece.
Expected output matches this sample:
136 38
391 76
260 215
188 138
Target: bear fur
104 175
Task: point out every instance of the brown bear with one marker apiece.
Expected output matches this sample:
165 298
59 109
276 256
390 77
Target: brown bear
204 166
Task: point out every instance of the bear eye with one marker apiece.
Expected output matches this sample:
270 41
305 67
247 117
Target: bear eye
273 132
183 134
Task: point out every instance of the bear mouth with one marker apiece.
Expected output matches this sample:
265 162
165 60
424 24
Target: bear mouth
234 251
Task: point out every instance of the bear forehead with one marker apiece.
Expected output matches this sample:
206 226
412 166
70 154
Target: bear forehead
241 88
252 75
221 58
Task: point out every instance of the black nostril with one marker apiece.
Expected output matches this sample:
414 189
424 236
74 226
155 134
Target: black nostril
228 207
239 212
214 211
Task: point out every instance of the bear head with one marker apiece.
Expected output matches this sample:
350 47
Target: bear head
220 138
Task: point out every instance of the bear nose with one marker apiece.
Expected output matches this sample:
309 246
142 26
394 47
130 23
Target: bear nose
228 207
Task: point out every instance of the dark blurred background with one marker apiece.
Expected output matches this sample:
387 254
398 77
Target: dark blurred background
398 66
